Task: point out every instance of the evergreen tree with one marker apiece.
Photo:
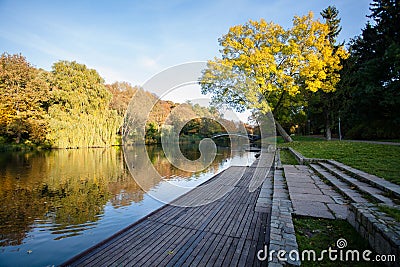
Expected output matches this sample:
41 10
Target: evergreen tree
321 104
372 82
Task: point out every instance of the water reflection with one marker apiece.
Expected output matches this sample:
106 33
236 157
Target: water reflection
58 203
60 190
149 171
65 191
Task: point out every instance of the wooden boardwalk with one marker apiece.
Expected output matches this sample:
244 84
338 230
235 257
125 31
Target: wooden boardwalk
225 232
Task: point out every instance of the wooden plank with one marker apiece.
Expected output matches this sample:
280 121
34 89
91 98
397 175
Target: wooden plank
170 213
242 227
195 240
200 247
196 219
211 250
217 250
118 244
134 248
231 252
244 254
223 223
87 258
166 252
258 239
237 252
154 247
205 253
224 251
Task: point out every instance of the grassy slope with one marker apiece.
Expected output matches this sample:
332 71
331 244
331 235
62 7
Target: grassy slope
381 160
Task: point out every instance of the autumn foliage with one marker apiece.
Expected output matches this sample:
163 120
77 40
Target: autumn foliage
71 107
23 98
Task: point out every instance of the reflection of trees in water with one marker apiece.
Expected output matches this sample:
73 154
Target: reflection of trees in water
124 190
62 190
20 203
65 191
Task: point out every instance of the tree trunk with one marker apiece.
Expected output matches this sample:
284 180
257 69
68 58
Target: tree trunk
282 132
328 132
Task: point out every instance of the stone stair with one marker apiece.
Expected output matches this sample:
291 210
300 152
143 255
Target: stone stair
340 185
377 182
282 233
364 191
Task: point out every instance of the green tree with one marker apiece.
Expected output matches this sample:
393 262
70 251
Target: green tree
180 116
152 133
266 60
160 112
371 82
23 97
79 111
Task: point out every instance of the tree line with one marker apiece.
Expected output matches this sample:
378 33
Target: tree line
71 106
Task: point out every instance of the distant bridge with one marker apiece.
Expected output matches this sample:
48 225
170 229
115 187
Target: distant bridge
251 137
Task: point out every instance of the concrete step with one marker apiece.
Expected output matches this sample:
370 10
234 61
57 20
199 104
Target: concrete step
374 180
374 192
343 187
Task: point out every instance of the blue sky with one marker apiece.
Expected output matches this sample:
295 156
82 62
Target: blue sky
133 40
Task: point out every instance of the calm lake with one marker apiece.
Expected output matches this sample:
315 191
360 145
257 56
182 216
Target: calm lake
55 204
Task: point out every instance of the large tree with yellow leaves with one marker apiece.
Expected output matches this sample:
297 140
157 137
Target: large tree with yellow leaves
265 67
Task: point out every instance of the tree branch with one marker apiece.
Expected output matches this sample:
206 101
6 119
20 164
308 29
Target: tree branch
277 106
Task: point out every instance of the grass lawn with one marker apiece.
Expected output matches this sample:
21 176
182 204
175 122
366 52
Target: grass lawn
287 158
381 160
320 234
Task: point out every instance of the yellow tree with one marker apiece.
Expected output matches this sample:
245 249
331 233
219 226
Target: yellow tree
265 67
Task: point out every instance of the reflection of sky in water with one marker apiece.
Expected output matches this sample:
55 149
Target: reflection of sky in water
173 187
